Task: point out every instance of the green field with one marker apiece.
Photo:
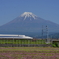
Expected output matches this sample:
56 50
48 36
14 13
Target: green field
22 41
42 49
29 53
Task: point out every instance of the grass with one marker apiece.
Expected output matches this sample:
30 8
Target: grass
22 41
47 49
29 53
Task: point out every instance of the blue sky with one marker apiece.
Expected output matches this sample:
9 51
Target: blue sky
46 9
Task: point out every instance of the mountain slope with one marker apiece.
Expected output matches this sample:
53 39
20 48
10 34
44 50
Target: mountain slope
28 22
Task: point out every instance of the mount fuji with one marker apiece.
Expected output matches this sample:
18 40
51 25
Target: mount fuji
28 22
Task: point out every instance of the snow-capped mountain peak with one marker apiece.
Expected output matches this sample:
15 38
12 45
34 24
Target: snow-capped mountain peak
28 14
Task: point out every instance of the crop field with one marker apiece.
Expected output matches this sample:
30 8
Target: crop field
22 41
29 53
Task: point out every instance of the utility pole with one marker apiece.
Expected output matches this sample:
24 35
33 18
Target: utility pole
42 32
46 34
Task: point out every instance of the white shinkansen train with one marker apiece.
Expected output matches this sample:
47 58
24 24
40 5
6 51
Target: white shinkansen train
15 36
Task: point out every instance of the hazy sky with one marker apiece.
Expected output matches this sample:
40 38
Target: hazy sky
46 9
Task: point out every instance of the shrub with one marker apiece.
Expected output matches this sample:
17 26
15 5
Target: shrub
55 45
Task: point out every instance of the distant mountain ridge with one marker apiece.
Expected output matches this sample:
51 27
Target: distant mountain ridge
28 22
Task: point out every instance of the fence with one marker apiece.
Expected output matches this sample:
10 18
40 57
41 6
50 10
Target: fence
22 43
25 45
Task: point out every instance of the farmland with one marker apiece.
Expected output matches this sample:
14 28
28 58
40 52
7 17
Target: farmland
29 53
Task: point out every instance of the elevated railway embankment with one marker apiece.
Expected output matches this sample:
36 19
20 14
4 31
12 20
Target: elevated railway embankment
17 42
25 45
